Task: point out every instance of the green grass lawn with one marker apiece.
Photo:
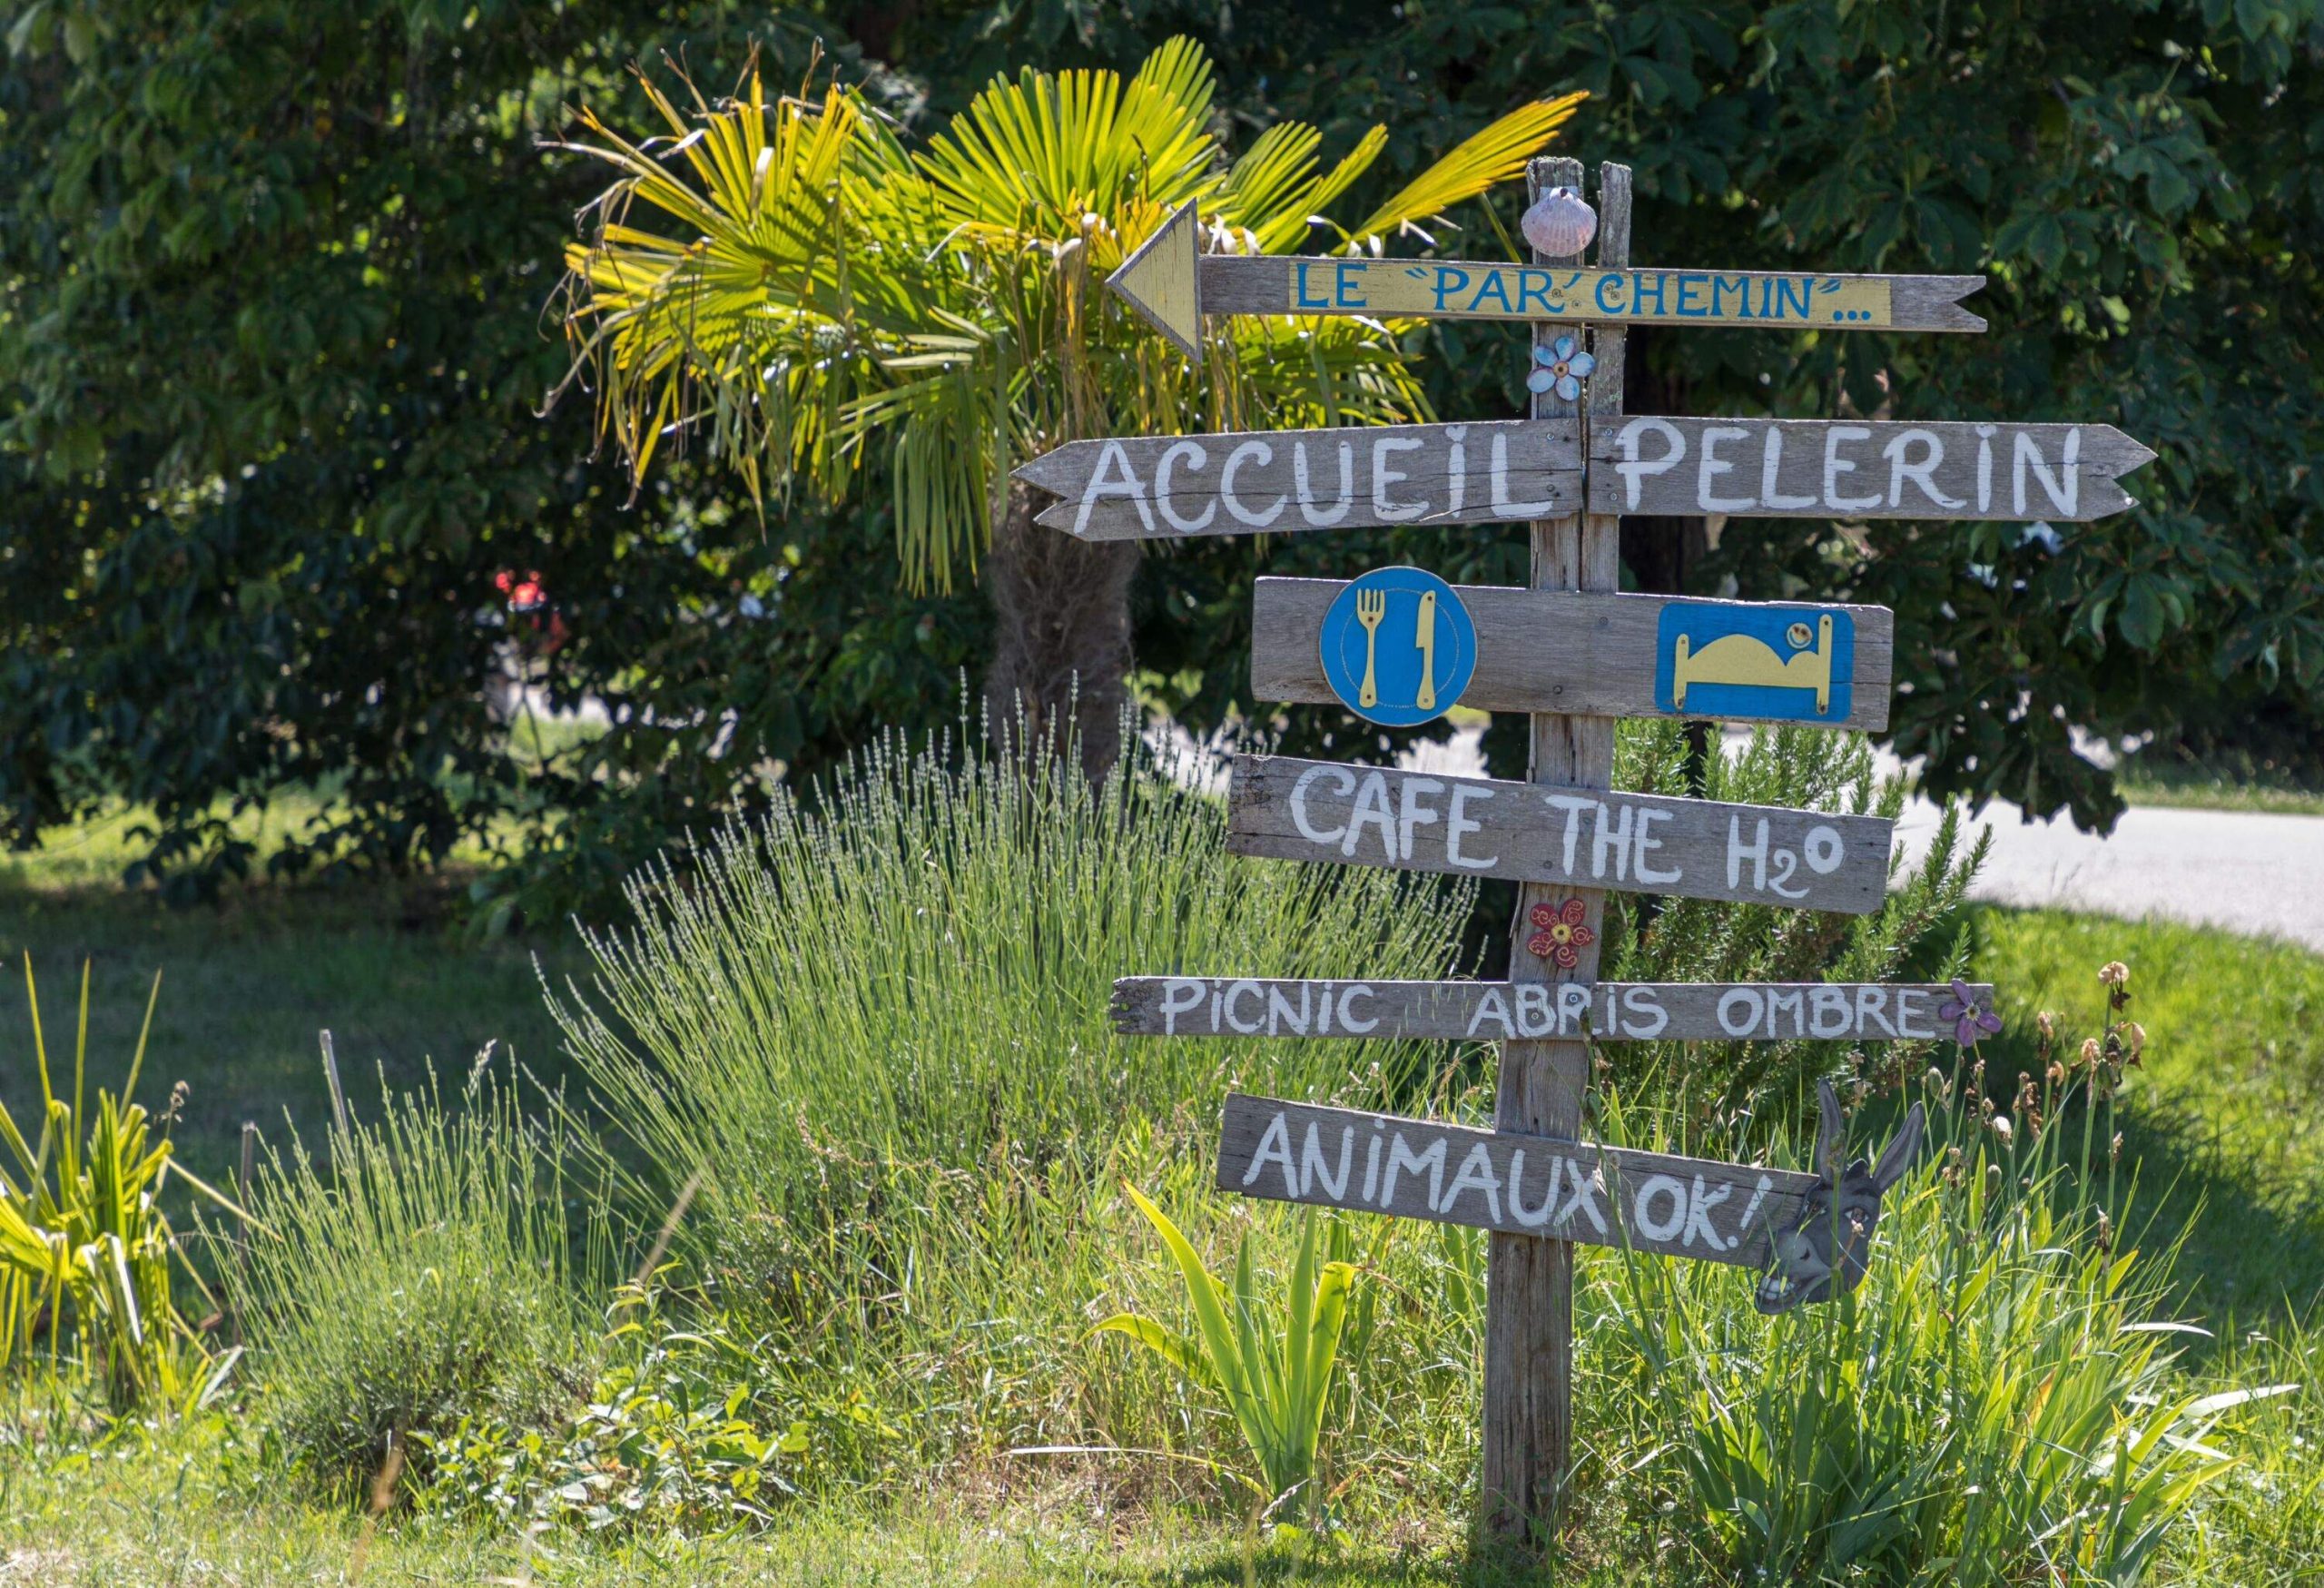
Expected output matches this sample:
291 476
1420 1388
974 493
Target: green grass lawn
246 988
2227 1112
2152 781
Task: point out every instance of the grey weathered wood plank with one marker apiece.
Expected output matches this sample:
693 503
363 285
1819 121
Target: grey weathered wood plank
1510 1182
1391 289
1549 651
1580 838
1276 482
1609 1011
1837 469
1528 1425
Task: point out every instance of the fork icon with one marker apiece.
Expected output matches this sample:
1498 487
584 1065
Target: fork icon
1370 607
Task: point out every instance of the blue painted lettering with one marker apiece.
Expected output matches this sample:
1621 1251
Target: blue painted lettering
1449 279
1495 286
1300 298
1348 281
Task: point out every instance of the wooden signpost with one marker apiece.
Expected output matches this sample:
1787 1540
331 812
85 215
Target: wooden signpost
1617 655
1833 468
1505 1181
1279 482
1171 282
1567 836
1610 1012
1399 646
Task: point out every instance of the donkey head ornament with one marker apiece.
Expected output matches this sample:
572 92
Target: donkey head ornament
1825 1250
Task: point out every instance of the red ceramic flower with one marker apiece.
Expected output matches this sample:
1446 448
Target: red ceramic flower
1562 937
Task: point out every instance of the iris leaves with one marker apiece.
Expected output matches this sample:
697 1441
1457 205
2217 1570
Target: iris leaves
1274 1382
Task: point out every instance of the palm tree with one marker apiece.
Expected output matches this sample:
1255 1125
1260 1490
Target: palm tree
816 288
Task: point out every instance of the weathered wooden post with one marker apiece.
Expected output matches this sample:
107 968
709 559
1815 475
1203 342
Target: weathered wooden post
1401 647
1529 1286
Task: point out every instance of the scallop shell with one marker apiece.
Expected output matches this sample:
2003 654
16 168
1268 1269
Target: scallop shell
1559 224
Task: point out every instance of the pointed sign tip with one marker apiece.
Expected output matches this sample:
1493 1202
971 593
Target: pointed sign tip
1159 281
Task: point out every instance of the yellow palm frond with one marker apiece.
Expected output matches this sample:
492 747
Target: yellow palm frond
1492 156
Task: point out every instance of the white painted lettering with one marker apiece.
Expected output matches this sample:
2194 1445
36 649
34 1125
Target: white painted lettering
1476 1174
2062 488
1738 852
1700 1202
1276 1143
1412 813
1371 804
1307 509
1712 465
1533 1016
1738 1011
1531 1217
1307 829
1456 822
1383 476
1492 1006
1313 1167
1196 459
1634 469
1643 1217
1646 873
1835 466
1402 1158
1234 994
1503 506
1260 453
1125 484
1923 473
1644 1012
1770 465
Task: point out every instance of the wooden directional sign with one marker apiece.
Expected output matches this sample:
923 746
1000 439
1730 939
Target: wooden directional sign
1278 482
1173 285
1835 469
1617 655
1583 838
1617 1012
1501 1180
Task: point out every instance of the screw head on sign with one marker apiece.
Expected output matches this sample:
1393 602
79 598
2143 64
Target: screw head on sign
1559 223
1560 936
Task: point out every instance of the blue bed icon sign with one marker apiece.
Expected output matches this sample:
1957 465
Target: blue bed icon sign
1783 664
1398 647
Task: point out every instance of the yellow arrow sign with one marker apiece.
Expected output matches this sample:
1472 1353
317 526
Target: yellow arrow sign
1173 285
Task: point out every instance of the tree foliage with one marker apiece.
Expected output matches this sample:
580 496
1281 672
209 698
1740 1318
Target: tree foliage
273 282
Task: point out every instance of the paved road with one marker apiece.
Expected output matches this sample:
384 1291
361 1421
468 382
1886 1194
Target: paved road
2240 869
2243 871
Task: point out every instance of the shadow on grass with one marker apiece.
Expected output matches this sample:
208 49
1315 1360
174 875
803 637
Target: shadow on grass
247 985
2223 1123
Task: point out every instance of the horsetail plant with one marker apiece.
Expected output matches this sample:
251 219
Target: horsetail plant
1276 1384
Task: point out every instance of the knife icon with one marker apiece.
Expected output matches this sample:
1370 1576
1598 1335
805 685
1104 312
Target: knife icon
1424 636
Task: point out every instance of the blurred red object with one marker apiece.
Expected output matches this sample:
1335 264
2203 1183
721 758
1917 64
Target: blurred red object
528 599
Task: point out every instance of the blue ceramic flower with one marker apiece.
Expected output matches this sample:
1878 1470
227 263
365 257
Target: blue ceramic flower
1562 365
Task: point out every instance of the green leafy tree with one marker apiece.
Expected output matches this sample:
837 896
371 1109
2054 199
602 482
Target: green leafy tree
272 362
816 291
2140 182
